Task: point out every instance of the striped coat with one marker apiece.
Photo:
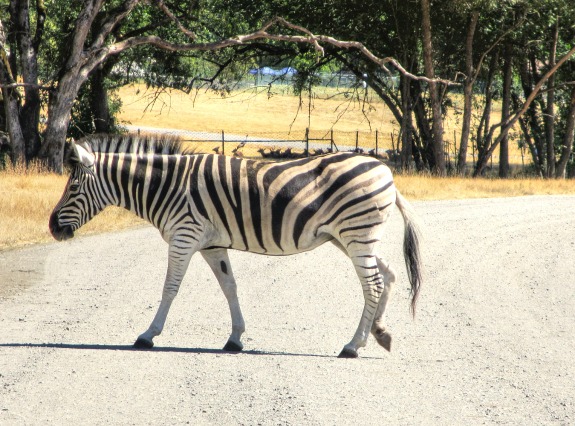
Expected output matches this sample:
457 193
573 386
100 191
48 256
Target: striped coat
210 203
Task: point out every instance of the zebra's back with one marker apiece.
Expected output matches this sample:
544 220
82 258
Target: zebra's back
293 206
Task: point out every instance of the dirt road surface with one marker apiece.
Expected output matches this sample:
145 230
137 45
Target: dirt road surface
493 341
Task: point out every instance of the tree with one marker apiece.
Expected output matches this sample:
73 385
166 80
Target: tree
97 37
437 126
168 41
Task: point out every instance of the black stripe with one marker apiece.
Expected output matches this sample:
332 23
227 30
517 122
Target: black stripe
237 209
364 212
194 192
114 177
154 184
235 166
311 209
125 180
253 169
362 242
213 194
177 191
139 180
355 228
355 201
292 187
102 173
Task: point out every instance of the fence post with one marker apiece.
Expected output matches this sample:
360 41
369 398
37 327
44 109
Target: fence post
307 141
376 142
356 140
223 143
333 145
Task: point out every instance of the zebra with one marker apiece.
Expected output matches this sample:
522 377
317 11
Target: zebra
212 203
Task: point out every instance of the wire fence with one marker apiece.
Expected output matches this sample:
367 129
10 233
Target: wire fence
308 142
285 145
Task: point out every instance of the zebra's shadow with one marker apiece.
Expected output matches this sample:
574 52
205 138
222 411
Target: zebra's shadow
157 349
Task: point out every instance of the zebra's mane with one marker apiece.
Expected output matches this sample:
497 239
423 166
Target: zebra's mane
135 144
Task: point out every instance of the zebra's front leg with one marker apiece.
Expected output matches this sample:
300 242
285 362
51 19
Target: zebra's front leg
178 262
221 267
373 286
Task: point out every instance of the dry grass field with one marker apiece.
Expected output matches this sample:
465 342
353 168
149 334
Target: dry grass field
28 196
254 110
278 111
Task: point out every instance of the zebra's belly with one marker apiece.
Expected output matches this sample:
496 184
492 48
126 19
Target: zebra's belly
272 249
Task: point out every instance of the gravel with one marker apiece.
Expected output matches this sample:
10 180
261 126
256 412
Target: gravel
493 341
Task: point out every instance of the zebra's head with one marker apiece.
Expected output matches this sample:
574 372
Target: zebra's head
78 204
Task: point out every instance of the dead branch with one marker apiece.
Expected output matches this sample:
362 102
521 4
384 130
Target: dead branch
264 33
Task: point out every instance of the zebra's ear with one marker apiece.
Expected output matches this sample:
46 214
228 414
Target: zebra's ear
78 153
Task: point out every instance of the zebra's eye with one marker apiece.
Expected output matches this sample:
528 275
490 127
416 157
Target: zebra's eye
74 186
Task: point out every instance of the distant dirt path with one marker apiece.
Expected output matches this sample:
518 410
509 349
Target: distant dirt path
493 342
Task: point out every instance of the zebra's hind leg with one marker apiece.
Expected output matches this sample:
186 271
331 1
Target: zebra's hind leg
178 261
378 329
372 283
220 264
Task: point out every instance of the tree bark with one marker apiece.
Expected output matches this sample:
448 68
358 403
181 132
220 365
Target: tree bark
11 103
406 124
99 102
506 110
27 49
437 121
467 94
550 110
59 107
567 148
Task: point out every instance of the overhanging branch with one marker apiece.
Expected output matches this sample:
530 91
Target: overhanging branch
305 37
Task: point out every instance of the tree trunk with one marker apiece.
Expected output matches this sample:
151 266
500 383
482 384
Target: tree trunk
11 105
27 49
506 126
506 110
531 129
59 107
437 121
550 111
485 122
406 124
567 148
18 148
467 94
99 102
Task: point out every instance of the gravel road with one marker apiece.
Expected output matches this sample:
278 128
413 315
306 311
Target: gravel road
493 341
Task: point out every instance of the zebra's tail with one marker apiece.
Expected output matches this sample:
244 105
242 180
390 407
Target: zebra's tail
411 252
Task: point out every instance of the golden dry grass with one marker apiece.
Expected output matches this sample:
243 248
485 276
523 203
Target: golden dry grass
257 110
245 112
419 187
27 197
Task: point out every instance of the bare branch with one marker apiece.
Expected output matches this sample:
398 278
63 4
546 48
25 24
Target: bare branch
495 43
31 85
116 17
173 18
263 33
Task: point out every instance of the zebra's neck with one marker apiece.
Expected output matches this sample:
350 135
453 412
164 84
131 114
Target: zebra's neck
145 184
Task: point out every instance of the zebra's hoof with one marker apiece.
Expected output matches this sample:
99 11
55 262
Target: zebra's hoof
348 353
384 339
233 347
143 344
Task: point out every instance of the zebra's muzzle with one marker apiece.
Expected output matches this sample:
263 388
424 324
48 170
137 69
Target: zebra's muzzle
60 233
